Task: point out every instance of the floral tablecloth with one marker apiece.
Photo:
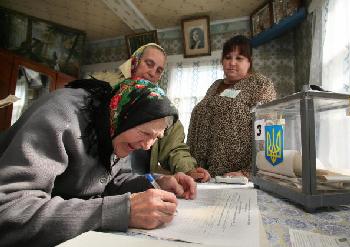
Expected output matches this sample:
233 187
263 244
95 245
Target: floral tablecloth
279 215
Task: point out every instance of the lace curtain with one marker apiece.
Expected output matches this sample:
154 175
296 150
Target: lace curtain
187 80
330 68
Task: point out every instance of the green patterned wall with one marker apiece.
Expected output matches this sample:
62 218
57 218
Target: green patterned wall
113 50
303 44
285 60
275 59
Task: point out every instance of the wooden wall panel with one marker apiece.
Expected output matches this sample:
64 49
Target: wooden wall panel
9 68
63 79
6 65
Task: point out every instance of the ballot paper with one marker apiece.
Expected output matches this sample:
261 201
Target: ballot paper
291 165
93 239
225 217
300 238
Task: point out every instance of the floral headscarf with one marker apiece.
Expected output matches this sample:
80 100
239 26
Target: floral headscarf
129 67
137 101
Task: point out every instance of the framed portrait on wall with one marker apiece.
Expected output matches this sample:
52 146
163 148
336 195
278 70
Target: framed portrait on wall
134 41
196 36
292 6
279 11
261 19
284 8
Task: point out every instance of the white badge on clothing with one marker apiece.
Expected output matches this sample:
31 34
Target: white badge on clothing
231 93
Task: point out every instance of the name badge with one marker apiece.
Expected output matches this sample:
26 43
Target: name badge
230 93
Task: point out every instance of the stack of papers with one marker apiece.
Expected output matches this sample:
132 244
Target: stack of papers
217 217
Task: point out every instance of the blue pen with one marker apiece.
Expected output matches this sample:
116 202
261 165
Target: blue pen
151 180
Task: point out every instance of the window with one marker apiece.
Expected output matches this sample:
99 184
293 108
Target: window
187 81
330 65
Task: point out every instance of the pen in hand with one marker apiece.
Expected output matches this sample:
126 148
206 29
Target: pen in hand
153 182
155 185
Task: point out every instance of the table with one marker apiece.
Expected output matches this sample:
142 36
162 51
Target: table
279 215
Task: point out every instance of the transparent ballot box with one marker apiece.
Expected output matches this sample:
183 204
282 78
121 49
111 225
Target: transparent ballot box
302 148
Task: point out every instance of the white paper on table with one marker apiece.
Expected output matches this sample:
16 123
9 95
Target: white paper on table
93 239
300 238
225 217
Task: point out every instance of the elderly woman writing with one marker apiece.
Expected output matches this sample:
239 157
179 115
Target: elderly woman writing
60 173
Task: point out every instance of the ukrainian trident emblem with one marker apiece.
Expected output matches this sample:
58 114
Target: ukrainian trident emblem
274 144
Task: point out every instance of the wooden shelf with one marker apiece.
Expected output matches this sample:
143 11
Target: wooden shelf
278 29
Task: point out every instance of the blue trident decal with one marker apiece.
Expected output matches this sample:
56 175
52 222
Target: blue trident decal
274 144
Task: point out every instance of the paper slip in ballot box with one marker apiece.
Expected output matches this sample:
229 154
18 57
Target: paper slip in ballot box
301 148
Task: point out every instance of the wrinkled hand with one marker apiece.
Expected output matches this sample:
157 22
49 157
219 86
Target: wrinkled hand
199 174
188 184
151 208
180 184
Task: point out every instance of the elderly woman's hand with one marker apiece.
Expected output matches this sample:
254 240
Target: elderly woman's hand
199 174
180 184
151 208
188 184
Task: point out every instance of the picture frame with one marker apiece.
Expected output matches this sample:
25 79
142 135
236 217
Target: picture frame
284 8
278 10
196 36
134 41
261 19
291 6
53 45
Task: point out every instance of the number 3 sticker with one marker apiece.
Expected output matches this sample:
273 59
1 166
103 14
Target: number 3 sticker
259 128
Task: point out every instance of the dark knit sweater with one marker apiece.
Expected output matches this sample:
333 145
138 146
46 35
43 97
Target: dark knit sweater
51 189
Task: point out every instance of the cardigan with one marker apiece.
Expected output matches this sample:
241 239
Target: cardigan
51 188
172 154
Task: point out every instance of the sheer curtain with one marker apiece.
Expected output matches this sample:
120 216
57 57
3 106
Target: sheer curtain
330 61
336 51
187 81
330 68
